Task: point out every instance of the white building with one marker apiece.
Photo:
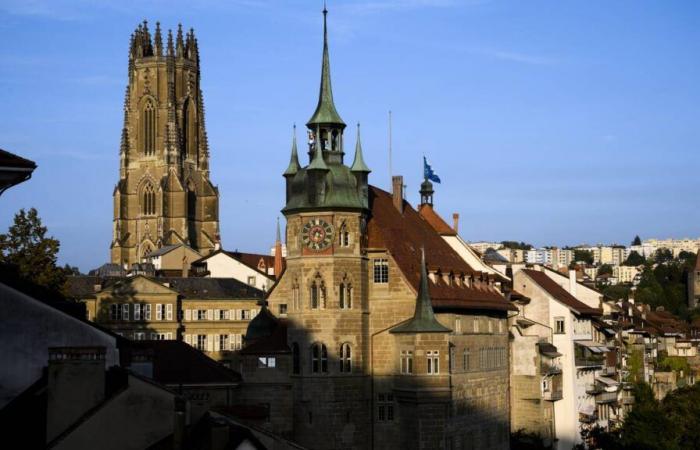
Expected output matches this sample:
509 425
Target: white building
253 269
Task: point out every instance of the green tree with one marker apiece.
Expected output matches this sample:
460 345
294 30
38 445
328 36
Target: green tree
516 245
663 255
636 240
605 268
634 259
617 291
32 254
584 256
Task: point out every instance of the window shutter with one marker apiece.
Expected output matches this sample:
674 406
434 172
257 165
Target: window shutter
159 311
169 311
154 336
216 314
231 314
216 343
125 311
231 344
148 311
238 314
210 314
210 342
188 339
137 311
188 314
169 336
253 313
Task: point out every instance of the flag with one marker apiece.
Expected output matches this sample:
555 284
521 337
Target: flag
428 173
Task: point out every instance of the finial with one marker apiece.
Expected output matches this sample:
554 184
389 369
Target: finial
325 10
158 41
179 44
358 165
279 238
171 48
294 159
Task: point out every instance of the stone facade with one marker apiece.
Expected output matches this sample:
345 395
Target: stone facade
164 195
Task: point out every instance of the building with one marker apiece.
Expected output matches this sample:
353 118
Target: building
626 274
164 195
565 321
210 314
14 170
481 247
386 352
172 259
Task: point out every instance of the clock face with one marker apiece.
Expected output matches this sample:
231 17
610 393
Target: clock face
317 234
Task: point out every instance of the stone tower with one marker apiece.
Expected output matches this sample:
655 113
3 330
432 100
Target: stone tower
164 195
325 283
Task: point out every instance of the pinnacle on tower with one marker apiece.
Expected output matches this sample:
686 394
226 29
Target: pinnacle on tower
358 165
317 163
293 167
179 44
325 110
171 47
158 41
423 320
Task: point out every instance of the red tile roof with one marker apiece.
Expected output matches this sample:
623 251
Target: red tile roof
403 235
427 212
559 293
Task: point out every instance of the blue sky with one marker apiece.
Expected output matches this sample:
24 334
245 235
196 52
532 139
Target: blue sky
550 122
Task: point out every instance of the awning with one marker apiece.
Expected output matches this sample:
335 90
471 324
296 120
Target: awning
548 350
588 410
607 381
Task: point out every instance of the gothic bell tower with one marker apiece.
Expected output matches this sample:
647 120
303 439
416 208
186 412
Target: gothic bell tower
164 195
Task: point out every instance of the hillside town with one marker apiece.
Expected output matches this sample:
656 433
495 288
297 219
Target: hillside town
372 322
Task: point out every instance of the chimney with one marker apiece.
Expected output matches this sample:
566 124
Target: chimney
76 384
397 191
572 282
185 267
455 222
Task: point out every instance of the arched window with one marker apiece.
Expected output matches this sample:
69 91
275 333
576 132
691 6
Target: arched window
345 358
148 200
345 295
189 130
296 366
314 295
149 128
319 358
318 293
344 236
296 300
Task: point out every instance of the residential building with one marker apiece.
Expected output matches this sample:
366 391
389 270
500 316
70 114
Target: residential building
568 322
482 246
253 269
164 195
626 274
210 314
566 257
172 260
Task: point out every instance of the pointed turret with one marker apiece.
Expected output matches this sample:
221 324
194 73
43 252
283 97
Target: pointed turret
317 163
158 41
179 43
278 252
171 46
423 320
147 45
293 166
325 113
358 165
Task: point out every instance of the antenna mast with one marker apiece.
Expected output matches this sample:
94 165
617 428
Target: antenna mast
390 168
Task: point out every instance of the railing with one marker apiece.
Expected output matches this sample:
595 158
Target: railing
606 397
552 396
588 362
592 389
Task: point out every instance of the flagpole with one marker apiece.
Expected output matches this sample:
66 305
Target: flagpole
390 168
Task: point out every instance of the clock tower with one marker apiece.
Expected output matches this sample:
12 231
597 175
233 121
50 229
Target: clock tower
324 287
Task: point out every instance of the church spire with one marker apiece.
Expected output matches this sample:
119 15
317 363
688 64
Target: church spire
423 320
325 110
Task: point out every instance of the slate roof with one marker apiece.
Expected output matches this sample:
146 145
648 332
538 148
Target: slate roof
175 362
403 235
163 250
83 286
560 294
275 343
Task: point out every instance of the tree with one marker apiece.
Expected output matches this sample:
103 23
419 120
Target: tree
663 255
516 245
605 268
583 256
634 259
636 240
33 255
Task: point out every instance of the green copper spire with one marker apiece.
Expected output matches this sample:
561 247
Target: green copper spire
423 320
325 110
293 167
358 165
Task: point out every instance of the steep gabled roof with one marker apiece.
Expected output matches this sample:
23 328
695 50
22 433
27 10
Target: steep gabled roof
404 233
560 294
427 212
8 159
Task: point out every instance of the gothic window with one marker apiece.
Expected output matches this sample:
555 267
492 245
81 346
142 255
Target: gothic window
149 128
406 362
319 358
318 293
381 270
296 366
344 236
345 358
189 130
466 360
345 295
148 201
433 357
296 300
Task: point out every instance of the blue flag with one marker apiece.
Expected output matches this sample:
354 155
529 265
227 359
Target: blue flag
428 173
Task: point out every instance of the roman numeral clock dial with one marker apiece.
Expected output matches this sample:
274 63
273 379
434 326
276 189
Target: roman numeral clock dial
317 234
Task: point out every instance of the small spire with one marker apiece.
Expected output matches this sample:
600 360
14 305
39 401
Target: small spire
317 163
158 41
179 44
293 167
171 47
325 110
278 238
358 165
423 320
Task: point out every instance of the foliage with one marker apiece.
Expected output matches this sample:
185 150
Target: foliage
605 268
515 245
673 363
635 365
27 248
666 285
663 255
673 423
636 240
617 291
634 259
583 255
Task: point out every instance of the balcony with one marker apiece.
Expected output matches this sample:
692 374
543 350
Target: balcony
592 389
589 362
552 396
606 397
627 400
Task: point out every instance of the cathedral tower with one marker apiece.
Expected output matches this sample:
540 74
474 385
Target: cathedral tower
164 195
